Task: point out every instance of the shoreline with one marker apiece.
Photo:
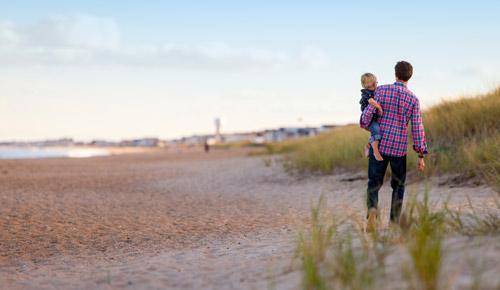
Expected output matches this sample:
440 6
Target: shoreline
44 152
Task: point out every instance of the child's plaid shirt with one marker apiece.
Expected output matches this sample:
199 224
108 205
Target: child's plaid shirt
400 106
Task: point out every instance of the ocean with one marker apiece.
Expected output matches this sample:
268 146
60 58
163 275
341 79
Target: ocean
50 152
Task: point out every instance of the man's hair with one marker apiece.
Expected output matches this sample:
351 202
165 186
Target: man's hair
366 78
403 70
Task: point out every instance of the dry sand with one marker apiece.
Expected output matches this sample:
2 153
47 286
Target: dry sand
166 220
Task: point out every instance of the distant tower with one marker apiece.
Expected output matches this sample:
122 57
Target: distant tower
218 138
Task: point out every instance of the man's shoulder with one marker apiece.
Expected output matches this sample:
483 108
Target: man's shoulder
382 90
394 89
410 94
384 87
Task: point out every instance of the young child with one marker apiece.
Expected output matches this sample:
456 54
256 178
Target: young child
369 84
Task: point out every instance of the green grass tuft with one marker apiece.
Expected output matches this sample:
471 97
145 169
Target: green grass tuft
424 238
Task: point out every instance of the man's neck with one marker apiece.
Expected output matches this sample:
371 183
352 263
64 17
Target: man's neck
403 82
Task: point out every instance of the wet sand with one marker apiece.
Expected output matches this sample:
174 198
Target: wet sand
166 220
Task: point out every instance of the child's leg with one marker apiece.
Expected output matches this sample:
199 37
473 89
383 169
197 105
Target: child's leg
375 140
376 153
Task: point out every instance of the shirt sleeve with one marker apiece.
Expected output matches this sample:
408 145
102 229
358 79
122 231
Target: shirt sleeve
417 130
366 117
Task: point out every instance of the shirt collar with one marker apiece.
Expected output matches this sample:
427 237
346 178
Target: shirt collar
399 84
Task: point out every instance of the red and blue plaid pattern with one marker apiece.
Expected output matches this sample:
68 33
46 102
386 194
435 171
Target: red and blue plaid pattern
400 106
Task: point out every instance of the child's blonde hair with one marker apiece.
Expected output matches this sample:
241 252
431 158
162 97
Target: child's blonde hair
366 78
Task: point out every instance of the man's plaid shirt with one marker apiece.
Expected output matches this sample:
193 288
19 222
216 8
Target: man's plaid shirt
400 106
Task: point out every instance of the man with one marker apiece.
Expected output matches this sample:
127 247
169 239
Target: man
400 107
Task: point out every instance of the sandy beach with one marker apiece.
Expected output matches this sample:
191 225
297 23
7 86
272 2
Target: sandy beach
169 220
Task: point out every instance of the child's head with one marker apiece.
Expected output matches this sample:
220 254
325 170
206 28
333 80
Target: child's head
369 81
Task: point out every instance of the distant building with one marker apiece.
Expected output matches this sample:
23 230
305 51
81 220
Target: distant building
260 137
194 140
147 142
282 134
144 142
63 142
239 137
103 143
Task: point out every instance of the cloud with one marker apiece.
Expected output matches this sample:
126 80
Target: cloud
314 57
77 31
73 39
8 34
78 40
468 71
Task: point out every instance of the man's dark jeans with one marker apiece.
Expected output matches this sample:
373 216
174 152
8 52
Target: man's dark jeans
376 173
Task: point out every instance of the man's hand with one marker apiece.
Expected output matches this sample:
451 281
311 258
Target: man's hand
421 164
376 105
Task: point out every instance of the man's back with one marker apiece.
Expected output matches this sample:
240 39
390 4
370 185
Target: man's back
400 106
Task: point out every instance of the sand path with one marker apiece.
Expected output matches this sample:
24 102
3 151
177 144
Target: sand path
165 220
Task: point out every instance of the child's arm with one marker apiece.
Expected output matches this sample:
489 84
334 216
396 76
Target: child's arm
375 104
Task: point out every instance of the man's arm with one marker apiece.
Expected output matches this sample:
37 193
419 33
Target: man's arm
417 130
377 106
366 117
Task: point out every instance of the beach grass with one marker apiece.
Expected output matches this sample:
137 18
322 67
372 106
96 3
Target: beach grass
330 257
424 241
463 137
338 255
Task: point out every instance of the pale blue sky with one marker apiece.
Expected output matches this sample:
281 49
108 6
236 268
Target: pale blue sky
120 69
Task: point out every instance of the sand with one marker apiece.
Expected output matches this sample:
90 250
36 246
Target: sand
175 220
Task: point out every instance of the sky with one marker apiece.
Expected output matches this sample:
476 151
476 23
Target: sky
124 69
